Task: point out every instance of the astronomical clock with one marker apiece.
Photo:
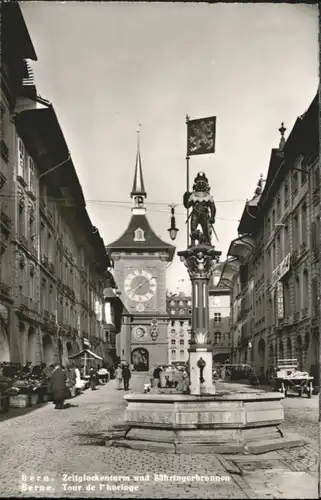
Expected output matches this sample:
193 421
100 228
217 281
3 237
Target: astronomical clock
140 260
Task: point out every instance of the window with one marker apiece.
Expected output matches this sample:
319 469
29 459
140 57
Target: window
31 179
51 301
278 208
217 318
297 294
279 300
172 322
268 227
182 333
21 158
190 322
181 303
286 241
182 354
315 293
173 331
304 176
189 303
21 216
294 183
173 311
173 342
316 179
181 323
173 354
181 311
172 302
217 337
286 299
305 289
304 223
139 235
286 195
181 342
295 231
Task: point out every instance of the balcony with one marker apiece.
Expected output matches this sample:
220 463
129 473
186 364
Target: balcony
44 260
5 220
4 151
294 256
303 247
2 180
4 289
296 316
46 314
316 197
23 241
304 312
51 267
42 206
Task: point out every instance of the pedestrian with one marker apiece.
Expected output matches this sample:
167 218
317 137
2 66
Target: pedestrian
119 377
92 379
169 377
126 376
71 380
57 387
162 378
103 375
156 373
78 382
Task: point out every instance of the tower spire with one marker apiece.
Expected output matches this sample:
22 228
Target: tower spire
138 191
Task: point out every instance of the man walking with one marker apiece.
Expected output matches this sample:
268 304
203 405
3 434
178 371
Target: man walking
126 376
57 387
119 377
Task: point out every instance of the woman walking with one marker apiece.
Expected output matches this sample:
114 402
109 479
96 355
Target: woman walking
119 377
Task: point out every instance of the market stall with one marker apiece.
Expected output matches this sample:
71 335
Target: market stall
86 356
290 379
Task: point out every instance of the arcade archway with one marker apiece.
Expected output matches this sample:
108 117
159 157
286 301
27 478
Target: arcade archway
32 345
48 354
4 341
140 359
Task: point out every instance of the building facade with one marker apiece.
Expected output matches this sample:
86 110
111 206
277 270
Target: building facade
273 269
219 310
179 327
53 261
140 260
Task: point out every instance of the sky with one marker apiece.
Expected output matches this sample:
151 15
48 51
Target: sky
106 67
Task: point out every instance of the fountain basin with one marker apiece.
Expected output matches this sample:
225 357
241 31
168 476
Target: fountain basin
221 423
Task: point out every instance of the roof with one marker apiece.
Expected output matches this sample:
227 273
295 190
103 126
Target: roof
248 219
15 37
138 184
152 241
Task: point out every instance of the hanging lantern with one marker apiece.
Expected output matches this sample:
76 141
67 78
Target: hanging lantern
173 229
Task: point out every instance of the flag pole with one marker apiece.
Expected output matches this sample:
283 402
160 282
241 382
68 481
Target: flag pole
187 184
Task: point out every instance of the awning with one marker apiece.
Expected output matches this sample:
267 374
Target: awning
90 354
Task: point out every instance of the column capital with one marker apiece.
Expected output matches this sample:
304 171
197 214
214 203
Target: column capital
200 261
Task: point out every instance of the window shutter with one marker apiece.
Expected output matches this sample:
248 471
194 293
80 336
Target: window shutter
21 157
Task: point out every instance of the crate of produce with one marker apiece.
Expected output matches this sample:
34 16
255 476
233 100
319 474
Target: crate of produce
20 401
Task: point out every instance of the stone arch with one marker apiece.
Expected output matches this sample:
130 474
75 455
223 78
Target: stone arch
140 359
69 348
289 347
32 345
281 350
261 356
48 350
299 352
4 334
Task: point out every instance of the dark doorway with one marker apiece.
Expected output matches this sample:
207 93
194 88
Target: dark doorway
140 359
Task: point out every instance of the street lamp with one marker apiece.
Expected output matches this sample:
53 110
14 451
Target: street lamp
173 229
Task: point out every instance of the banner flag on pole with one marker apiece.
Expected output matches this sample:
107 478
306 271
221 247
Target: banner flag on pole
201 136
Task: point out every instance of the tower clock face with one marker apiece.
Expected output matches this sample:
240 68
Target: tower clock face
140 285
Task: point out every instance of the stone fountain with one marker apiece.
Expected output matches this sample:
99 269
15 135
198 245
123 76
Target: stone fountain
205 420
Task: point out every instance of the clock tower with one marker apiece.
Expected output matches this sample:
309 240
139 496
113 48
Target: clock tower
140 261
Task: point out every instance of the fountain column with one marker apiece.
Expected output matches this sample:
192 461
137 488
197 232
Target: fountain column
199 261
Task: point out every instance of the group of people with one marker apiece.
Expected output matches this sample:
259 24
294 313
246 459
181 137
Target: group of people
167 377
123 375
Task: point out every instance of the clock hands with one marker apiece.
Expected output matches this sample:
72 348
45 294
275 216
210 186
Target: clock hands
139 286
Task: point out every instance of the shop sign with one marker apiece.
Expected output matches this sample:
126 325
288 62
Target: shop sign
281 270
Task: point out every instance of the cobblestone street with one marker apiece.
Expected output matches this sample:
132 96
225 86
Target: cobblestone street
58 444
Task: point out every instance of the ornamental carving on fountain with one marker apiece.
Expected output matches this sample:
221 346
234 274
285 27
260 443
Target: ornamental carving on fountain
200 261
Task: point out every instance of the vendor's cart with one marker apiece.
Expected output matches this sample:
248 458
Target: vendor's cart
289 379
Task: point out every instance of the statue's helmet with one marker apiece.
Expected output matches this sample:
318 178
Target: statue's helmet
201 183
